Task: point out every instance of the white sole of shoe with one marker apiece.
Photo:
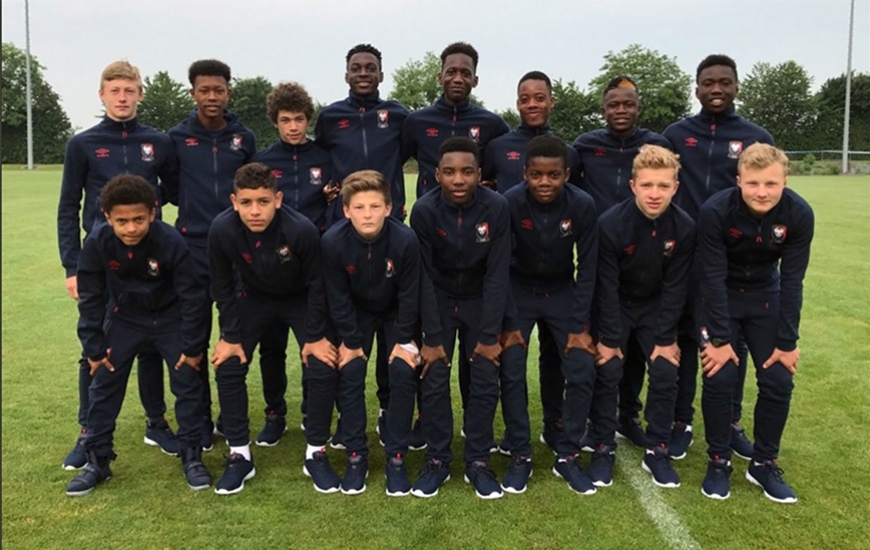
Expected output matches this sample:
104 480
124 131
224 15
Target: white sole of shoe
738 455
492 496
752 480
418 448
656 482
80 493
680 457
557 474
207 449
515 491
198 487
714 496
70 467
421 494
337 446
351 492
599 483
326 491
238 489
389 494
148 441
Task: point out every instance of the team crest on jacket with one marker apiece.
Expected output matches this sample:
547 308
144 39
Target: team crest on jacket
153 267
670 245
284 253
236 143
383 118
316 176
147 152
778 234
474 133
734 149
565 228
391 269
482 232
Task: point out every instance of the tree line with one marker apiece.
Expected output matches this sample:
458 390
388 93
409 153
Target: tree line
778 97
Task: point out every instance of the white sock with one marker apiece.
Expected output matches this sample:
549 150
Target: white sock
244 450
311 449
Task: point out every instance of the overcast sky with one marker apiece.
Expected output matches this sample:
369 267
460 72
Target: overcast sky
306 40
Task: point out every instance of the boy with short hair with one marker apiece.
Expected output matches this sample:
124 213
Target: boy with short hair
141 267
264 264
372 274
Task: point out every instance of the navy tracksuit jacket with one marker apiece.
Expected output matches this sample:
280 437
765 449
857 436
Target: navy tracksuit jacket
505 157
425 130
752 272
363 133
708 146
606 161
302 172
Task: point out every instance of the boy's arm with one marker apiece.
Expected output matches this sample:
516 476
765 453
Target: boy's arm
93 301
340 294
320 133
223 287
586 243
675 288
793 268
75 174
608 292
430 318
409 293
712 259
169 174
496 279
408 141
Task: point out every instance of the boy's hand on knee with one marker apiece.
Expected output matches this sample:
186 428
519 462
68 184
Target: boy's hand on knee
670 353
713 358
322 350
223 350
581 341
490 352
192 362
104 362
512 338
412 359
346 355
789 359
429 355
605 354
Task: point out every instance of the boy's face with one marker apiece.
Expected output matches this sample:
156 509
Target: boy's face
211 95
716 88
256 207
653 189
762 188
457 77
292 127
121 98
363 74
546 178
458 174
621 109
130 222
367 213
534 102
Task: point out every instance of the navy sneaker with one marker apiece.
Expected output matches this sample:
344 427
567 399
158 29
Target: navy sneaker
272 431
433 475
159 434
600 469
681 439
207 442
717 482
319 469
503 449
486 485
740 444
238 470
516 479
77 458
195 472
657 463
633 431
552 434
398 483
355 475
768 476
569 469
95 471
417 442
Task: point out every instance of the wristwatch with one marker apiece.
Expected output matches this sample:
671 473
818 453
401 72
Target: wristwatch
719 342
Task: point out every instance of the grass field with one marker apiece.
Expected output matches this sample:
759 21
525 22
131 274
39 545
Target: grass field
147 504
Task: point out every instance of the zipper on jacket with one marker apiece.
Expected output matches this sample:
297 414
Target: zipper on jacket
453 122
710 159
214 165
362 124
296 177
124 135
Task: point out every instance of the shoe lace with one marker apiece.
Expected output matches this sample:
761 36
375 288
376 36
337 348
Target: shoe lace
775 470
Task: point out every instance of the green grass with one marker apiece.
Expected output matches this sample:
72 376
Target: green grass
147 505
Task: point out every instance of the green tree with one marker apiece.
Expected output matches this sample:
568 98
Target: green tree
511 116
415 84
778 98
831 101
575 113
248 101
167 102
663 87
51 126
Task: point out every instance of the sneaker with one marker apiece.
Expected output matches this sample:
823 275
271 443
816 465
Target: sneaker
77 458
657 463
633 431
417 442
95 471
552 434
355 475
160 435
272 431
486 485
587 444
321 473
381 427
681 439
503 449
198 477
569 469
208 430
337 440
433 475
238 470
740 444
768 476
717 482
516 479
398 483
600 469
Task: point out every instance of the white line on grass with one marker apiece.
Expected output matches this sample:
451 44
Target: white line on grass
666 519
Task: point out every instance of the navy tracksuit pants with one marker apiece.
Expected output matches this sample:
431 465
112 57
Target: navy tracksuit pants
462 316
640 321
107 389
754 315
553 310
199 252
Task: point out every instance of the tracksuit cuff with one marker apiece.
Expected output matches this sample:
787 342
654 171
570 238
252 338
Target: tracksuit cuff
487 339
664 340
610 342
432 340
231 338
786 345
70 271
